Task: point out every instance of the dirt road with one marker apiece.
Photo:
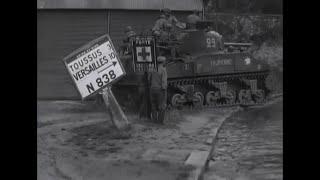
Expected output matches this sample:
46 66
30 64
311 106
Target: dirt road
76 141
250 145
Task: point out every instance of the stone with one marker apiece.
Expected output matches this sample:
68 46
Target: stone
213 132
149 154
197 158
173 155
209 141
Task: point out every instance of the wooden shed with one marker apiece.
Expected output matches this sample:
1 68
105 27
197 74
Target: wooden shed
65 25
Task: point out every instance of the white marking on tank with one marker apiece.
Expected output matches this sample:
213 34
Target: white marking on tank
247 61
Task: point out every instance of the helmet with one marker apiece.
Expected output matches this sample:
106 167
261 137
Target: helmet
162 16
169 25
214 33
130 33
161 59
156 33
166 10
128 28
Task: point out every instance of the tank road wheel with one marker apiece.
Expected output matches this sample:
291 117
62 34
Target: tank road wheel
177 100
212 97
258 96
230 97
245 96
199 98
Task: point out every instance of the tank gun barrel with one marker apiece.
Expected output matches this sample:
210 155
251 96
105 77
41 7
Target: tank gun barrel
231 46
237 44
172 42
173 60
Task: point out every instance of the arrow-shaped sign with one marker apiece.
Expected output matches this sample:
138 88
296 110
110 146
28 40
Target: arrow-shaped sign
113 64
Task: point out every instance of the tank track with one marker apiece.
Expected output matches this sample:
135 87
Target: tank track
236 82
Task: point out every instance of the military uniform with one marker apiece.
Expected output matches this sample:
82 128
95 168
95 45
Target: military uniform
158 91
144 97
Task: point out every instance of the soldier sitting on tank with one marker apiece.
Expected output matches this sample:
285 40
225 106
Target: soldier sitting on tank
164 32
159 28
172 19
192 19
167 24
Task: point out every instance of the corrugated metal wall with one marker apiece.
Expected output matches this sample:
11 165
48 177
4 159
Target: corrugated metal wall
59 33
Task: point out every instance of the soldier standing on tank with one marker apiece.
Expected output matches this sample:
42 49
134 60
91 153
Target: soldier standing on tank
158 91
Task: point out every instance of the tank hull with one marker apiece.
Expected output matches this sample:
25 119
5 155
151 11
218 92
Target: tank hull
202 74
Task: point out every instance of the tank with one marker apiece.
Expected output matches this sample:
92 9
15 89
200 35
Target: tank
202 70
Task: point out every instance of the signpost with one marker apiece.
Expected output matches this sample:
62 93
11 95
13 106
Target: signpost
93 68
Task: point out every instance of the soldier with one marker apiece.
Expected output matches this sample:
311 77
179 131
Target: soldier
158 91
129 32
143 93
160 25
171 18
125 48
163 29
192 19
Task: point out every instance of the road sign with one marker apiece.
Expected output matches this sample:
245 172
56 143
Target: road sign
94 66
144 56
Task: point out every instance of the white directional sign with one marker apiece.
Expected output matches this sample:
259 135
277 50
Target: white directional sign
94 66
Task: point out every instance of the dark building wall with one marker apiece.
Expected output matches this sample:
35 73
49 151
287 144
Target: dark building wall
59 33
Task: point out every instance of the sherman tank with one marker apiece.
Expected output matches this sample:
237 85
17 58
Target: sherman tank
202 69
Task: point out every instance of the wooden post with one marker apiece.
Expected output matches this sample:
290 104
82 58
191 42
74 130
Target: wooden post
118 117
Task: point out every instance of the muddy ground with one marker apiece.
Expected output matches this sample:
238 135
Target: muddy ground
77 141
